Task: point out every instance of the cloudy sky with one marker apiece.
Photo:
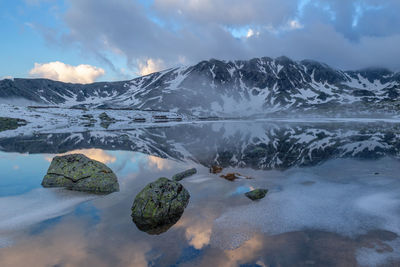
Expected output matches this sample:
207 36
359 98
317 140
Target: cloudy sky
96 40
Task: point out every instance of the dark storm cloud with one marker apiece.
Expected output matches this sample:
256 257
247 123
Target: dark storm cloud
343 33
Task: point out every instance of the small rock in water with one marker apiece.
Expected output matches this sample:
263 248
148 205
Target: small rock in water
89 120
216 169
10 123
106 120
139 120
233 176
256 194
104 117
182 175
159 205
230 176
78 172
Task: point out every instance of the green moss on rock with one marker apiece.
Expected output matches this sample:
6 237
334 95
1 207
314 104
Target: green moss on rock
257 194
10 123
78 172
106 120
159 205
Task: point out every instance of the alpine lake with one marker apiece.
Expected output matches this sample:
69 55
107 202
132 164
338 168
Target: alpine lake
333 196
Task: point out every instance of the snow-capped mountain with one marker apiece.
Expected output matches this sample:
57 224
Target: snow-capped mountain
260 85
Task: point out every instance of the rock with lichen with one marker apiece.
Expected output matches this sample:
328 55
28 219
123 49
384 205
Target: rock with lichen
182 175
106 120
78 172
10 123
256 194
159 205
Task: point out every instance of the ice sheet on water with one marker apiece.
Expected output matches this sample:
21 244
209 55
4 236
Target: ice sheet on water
346 198
371 257
36 206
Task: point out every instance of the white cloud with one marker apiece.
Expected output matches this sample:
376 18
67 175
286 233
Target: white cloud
151 65
159 163
295 24
92 153
60 71
198 235
251 33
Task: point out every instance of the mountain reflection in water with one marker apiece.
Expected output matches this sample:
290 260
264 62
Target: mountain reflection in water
324 206
258 145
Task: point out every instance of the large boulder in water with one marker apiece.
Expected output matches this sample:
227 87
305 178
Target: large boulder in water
159 205
78 172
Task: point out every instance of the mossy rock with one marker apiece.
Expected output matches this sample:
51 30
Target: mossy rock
159 205
256 194
10 123
104 117
106 120
78 172
182 175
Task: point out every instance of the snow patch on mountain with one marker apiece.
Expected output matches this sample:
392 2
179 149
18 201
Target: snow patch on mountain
226 88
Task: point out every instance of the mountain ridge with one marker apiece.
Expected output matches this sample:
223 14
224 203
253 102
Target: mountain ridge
240 87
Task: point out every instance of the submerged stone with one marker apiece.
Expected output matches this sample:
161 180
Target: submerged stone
89 120
256 194
159 205
104 117
106 120
78 172
10 123
182 175
229 176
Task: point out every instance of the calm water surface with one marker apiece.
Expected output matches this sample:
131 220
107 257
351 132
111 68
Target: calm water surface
333 200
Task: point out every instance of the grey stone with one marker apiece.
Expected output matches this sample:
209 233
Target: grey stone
256 194
159 205
10 123
78 172
182 175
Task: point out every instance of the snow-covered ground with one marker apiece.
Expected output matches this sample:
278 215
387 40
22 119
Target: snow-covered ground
56 120
65 120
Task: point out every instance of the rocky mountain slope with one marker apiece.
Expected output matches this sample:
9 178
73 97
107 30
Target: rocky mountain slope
213 87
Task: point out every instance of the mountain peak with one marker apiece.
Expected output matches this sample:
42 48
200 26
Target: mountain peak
228 88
